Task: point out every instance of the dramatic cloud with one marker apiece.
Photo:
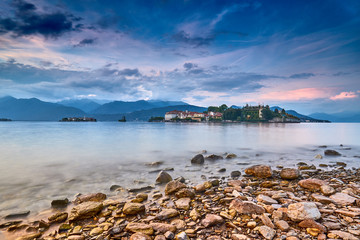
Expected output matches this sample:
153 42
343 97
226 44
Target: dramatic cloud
86 41
344 95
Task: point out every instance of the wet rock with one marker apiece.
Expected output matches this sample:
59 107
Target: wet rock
173 186
211 220
330 152
343 198
260 171
235 174
11 223
161 228
59 203
141 189
169 235
94 197
265 199
17 215
139 236
289 173
198 159
342 235
183 203
139 228
143 196
185 193
30 236
133 208
202 187
213 157
58 217
167 213
327 190
116 188
246 207
303 210
282 225
96 231
310 223
64 227
76 237
231 156
181 236
154 164
318 156
222 170
267 232
85 210
312 183
163 177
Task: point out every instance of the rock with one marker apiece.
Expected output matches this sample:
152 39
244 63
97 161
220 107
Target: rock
29 236
139 236
267 232
312 183
116 188
239 237
330 152
133 208
76 237
202 187
289 173
167 213
231 156
179 224
343 199
181 236
246 207
310 223
173 186
282 225
265 199
260 171
342 235
222 170
143 196
322 199
327 190
198 159
211 220
332 225
185 193
194 214
139 228
183 203
163 177
251 224
303 210
59 203
96 231
154 164
318 156
141 189
266 221
17 215
85 210
235 174
64 227
169 235
94 197
58 217
161 228
160 237
213 157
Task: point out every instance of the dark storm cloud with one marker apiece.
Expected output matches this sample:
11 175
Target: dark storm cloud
130 72
190 65
183 37
302 75
28 21
85 42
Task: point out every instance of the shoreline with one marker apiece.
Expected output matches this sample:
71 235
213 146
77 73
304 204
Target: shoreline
265 206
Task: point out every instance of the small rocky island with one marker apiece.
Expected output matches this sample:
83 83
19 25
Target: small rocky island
288 203
76 119
5 120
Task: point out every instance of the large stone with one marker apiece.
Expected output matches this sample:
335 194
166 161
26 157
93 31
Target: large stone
312 183
289 173
139 228
167 213
213 157
342 235
198 159
303 210
30 236
265 199
211 220
327 190
194 214
202 187
133 208
94 197
17 215
163 177
330 152
58 217
60 203
267 232
266 220
139 236
282 225
322 199
181 236
260 171
310 223
161 228
185 193
342 198
85 210
246 207
183 203
173 186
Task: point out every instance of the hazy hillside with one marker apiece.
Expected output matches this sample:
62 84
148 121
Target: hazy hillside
85 105
302 117
338 117
34 109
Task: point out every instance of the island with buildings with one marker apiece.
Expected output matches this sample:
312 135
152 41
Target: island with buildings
77 119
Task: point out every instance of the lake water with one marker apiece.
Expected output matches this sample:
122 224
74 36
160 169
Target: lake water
42 161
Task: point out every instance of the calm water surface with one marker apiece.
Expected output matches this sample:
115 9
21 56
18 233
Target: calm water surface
41 161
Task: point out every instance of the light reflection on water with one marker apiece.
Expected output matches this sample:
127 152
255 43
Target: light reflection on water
41 161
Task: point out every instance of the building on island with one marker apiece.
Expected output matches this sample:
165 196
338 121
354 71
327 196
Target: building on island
194 116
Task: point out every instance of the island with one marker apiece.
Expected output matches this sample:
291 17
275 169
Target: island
5 120
123 119
77 119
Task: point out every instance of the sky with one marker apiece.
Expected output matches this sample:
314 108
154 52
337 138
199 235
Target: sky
301 54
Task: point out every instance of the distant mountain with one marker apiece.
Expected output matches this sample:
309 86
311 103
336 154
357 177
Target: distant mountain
235 107
117 107
338 117
300 116
145 115
85 105
33 109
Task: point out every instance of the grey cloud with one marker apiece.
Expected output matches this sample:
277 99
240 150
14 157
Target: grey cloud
184 37
85 42
190 65
302 75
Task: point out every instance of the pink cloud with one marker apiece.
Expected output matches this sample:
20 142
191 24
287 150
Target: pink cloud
345 95
297 94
